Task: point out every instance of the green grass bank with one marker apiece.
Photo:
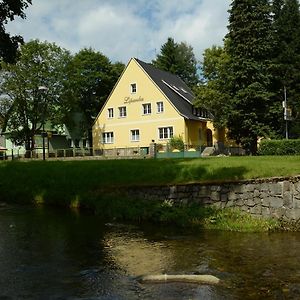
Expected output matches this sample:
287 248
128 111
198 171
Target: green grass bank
95 184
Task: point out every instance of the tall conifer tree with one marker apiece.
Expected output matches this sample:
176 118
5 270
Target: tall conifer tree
249 44
178 59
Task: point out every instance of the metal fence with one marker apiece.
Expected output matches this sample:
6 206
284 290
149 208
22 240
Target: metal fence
159 151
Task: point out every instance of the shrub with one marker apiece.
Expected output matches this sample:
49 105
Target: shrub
176 142
279 147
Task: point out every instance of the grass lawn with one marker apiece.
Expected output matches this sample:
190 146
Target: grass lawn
78 177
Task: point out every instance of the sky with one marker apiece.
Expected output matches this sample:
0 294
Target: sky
122 29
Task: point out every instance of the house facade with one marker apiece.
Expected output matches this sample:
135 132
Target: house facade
147 106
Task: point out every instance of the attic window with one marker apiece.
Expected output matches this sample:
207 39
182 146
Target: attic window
176 88
133 88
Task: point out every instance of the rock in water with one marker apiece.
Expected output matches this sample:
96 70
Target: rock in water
201 279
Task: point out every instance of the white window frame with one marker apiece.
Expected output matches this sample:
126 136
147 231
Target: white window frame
135 135
165 133
122 112
110 113
108 137
133 88
160 107
147 109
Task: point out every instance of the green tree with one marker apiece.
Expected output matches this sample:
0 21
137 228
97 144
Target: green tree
286 70
178 59
9 44
212 94
91 79
33 88
249 44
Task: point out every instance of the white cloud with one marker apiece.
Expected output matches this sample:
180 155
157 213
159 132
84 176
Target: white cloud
121 29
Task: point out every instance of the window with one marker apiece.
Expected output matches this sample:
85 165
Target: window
122 112
147 109
160 107
165 132
110 113
108 137
133 88
135 135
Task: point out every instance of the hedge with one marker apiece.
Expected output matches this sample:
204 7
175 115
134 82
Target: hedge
279 147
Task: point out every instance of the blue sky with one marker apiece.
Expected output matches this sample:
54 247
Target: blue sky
122 29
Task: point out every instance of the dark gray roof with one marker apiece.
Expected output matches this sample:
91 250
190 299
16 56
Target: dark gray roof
180 95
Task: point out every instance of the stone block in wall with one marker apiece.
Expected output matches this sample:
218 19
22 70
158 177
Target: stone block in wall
182 188
224 197
265 202
276 202
297 214
215 196
279 213
264 187
218 204
246 196
173 192
256 193
250 202
276 188
215 188
204 191
265 211
239 202
286 185
297 186
288 199
248 188
230 203
245 208
290 214
232 196
255 210
296 203
206 200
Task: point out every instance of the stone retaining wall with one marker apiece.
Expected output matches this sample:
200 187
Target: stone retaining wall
275 197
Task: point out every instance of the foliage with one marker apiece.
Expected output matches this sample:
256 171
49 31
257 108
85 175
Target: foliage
235 220
176 142
249 44
33 89
9 44
211 93
286 68
92 77
279 147
178 59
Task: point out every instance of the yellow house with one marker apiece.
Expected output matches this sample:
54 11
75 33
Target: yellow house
147 106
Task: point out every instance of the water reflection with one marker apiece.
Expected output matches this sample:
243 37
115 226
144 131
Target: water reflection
49 254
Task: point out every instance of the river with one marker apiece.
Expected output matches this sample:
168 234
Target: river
56 254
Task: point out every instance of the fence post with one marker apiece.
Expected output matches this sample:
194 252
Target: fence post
152 149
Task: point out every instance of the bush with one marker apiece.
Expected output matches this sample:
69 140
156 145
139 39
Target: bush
279 147
176 142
